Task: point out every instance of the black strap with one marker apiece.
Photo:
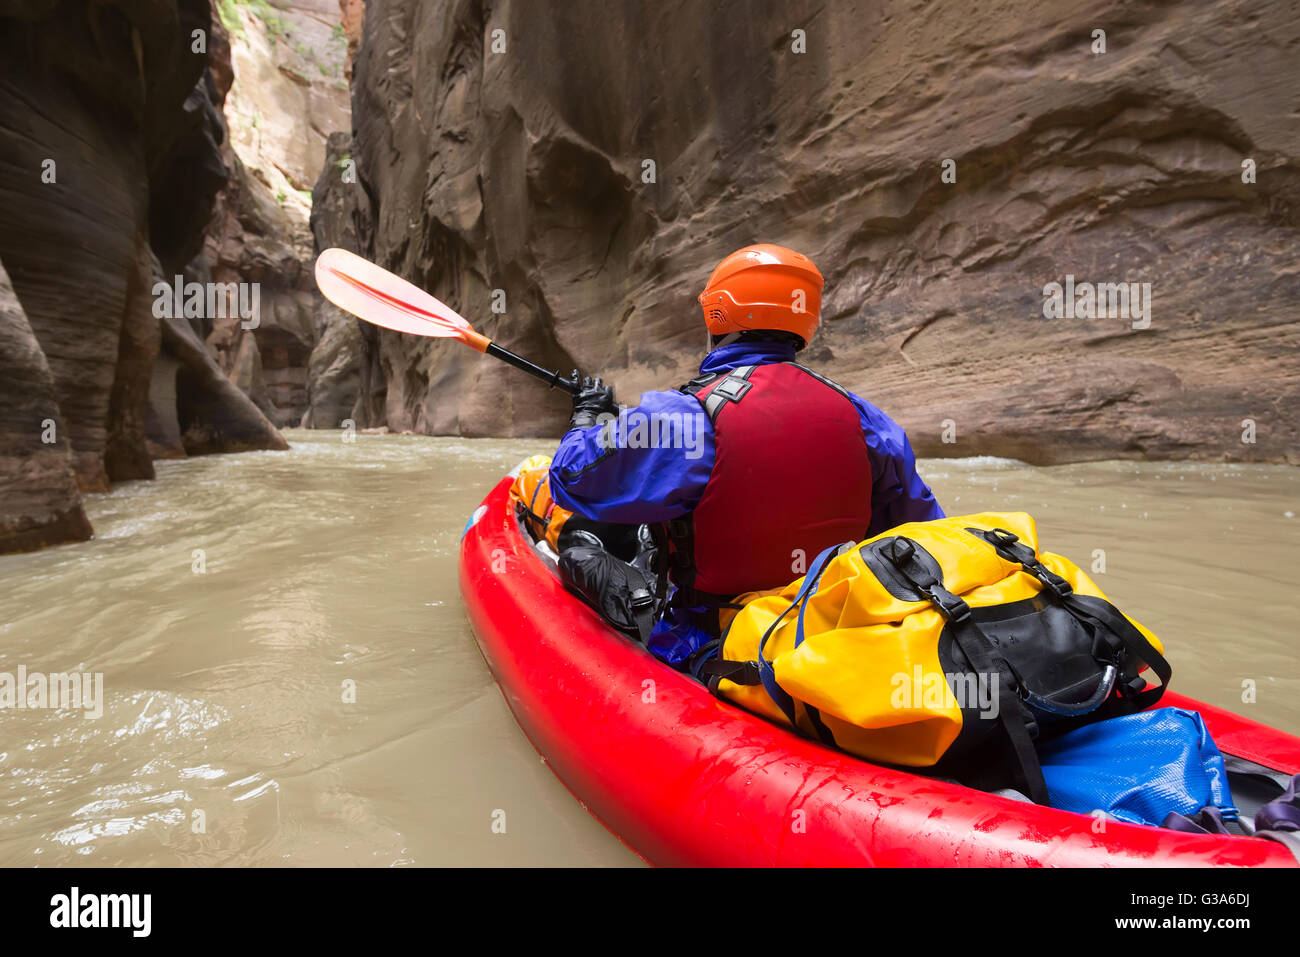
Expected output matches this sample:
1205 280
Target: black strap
537 520
679 533
979 654
903 553
698 383
543 520
645 612
739 672
1091 610
1097 612
819 726
659 535
1011 549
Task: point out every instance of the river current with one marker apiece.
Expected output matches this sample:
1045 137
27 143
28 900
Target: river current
288 676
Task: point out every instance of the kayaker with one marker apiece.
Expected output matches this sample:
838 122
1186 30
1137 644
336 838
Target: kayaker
753 467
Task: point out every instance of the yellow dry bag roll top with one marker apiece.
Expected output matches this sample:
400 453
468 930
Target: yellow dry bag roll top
950 645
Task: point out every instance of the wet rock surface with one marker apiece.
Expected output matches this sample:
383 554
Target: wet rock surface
109 162
41 503
526 167
344 354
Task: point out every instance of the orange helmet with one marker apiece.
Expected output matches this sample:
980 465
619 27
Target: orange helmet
763 287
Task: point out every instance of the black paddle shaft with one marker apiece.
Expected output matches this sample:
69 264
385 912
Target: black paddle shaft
553 379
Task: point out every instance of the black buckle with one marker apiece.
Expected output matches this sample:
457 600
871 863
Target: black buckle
900 552
1050 579
732 388
951 607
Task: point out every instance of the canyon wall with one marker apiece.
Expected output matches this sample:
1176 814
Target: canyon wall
110 157
588 163
283 90
41 501
343 379
568 174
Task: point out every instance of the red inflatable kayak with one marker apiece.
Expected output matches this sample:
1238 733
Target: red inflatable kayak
685 779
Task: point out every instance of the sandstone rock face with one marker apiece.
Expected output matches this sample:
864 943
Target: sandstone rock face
354 14
344 351
284 93
78 139
109 160
211 413
594 161
40 505
290 91
253 239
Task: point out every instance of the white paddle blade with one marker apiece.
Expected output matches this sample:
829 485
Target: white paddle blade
376 295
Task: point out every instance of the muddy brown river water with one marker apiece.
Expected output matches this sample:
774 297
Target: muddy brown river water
289 677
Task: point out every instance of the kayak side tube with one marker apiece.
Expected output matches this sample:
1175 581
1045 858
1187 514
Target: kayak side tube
685 779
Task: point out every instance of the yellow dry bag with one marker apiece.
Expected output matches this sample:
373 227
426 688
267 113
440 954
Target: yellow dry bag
949 645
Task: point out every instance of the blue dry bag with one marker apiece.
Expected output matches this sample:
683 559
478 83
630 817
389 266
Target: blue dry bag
1139 768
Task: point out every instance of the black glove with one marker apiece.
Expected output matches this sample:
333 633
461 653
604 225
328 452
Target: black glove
594 399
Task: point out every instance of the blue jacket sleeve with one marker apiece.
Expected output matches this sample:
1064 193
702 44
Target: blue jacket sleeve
898 494
649 464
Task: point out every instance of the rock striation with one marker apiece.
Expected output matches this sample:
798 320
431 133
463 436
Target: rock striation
587 164
109 161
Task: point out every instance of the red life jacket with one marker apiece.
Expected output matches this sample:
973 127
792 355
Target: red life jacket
790 477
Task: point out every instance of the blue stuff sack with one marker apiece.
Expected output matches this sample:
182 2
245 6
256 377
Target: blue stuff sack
674 638
1139 768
